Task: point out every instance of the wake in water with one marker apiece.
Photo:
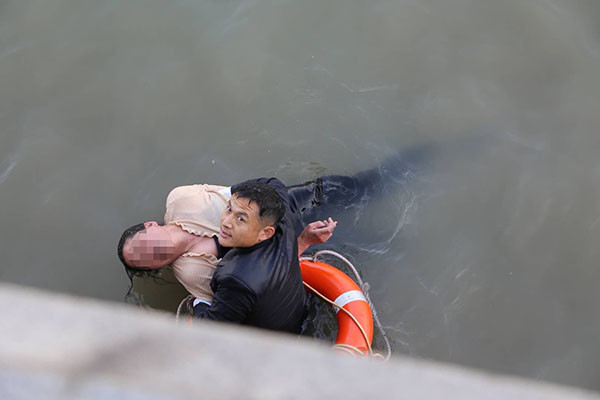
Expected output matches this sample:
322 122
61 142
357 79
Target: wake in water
398 178
396 181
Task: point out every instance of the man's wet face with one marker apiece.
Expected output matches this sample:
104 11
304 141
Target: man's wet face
240 223
151 248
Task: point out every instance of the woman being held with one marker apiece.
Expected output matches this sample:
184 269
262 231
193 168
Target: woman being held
188 240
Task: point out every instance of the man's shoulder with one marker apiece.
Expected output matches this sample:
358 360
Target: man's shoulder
232 280
249 267
230 274
232 264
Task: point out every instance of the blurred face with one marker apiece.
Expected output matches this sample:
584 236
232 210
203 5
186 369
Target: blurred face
149 248
241 225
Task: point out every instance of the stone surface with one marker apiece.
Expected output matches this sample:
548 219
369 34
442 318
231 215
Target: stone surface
60 347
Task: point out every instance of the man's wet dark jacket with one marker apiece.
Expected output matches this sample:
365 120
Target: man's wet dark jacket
262 285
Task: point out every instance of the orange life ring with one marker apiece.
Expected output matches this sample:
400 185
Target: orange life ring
343 291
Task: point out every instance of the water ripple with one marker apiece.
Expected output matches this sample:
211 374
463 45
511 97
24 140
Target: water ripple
6 167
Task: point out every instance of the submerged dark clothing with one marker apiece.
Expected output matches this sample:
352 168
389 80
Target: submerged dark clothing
330 195
261 285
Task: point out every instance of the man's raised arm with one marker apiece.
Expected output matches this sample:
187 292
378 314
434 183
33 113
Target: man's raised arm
315 233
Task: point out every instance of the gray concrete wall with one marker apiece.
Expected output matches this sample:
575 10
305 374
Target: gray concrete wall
60 347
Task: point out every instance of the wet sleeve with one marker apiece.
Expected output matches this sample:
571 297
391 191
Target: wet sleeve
233 302
297 222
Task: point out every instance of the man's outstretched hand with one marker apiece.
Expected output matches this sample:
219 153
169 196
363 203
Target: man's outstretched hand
315 233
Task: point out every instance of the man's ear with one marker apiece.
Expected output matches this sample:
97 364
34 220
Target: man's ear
148 224
266 233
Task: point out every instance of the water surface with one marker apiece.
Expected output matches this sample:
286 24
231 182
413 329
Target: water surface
488 259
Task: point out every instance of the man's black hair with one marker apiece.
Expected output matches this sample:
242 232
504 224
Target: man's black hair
131 271
270 205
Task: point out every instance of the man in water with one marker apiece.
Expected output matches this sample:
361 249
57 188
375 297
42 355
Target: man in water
261 244
192 241
258 280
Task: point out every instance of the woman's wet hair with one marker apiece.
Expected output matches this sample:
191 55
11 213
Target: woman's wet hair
132 271
128 233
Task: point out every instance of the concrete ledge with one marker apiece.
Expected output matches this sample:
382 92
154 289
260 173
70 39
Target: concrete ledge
60 347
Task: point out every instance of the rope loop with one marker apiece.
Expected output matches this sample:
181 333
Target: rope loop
187 304
365 286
